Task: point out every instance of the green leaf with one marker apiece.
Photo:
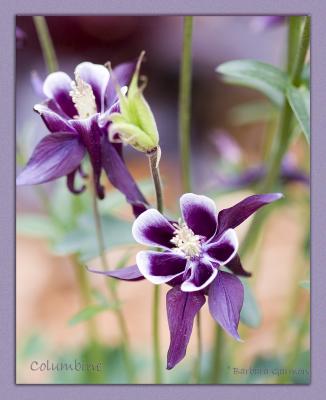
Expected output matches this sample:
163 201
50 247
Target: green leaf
299 100
265 78
250 313
305 78
252 112
82 240
36 225
88 313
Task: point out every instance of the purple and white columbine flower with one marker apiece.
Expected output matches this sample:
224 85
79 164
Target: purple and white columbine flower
193 250
75 113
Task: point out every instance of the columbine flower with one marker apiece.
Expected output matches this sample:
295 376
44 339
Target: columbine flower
72 114
135 123
195 251
230 153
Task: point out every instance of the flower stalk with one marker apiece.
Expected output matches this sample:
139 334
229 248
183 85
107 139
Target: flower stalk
50 59
283 137
185 104
46 43
217 355
154 158
184 138
110 285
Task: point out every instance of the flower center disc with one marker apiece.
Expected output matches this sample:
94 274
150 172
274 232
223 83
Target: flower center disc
83 97
185 239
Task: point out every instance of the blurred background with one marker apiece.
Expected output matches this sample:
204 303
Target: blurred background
47 295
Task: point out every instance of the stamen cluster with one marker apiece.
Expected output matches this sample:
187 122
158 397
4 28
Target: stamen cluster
185 239
83 97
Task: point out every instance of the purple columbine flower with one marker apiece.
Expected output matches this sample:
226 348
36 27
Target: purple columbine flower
75 113
193 252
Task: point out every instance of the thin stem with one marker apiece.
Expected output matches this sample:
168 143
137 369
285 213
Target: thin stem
185 104
85 290
154 157
284 136
297 347
197 364
94 351
217 355
282 139
98 229
184 138
156 335
111 286
46 43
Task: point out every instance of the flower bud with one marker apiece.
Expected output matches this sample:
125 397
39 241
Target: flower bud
135 123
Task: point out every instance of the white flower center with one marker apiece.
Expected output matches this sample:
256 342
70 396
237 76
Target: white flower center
185 239
83 97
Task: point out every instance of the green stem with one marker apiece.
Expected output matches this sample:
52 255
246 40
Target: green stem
197 364
85 290
50 60
156 335
185 104
184 135
111 287
154 158
282 139
46 43
217 355
93 352
297 347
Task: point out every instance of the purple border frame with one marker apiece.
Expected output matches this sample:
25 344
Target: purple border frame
317 9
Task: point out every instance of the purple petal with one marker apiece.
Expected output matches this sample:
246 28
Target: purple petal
236 267
224 249
121 74
91 137
153 229
56 155
202 273
199 213
71 182
97 76
160 267
181 310
118 174
54 121
57 87
131 273
234 216
225 300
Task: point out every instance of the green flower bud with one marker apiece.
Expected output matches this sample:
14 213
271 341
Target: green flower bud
135 124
